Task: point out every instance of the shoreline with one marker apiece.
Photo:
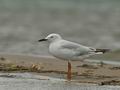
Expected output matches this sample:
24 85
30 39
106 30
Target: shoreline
82 72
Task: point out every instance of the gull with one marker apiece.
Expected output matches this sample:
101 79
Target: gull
67 50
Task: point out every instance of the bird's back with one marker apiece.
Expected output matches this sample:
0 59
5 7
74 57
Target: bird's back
67 50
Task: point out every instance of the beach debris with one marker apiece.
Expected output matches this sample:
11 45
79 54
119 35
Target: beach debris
36 67
14 67
88 66
11 67
110 82
2 58
115 68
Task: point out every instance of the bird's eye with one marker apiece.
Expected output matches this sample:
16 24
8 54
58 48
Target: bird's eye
51 36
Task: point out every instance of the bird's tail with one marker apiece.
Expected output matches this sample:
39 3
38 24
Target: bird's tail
102 51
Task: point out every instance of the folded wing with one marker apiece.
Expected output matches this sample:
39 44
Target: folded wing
80 50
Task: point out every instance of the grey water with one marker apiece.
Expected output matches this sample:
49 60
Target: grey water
94 23
23 81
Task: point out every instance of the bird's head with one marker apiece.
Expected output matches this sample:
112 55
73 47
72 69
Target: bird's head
51 38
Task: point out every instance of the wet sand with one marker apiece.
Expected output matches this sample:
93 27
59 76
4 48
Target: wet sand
27 81
83 72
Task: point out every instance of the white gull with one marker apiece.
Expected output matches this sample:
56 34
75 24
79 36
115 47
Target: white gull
67 50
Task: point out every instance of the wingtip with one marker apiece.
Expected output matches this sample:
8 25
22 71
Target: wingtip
103 50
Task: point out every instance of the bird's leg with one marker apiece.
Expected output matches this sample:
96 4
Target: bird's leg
69 71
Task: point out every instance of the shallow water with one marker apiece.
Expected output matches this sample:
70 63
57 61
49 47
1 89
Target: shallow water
27 81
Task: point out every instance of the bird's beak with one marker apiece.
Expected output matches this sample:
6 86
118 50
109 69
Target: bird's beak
42 40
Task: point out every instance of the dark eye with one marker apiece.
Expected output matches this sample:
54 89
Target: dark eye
51 36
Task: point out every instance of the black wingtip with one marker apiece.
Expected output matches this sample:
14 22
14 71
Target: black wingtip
102 50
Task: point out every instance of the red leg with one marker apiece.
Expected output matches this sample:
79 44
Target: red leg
69 71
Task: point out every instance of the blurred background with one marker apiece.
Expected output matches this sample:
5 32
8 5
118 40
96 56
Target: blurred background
94 23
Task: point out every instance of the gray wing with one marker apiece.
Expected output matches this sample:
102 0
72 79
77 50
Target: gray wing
76 48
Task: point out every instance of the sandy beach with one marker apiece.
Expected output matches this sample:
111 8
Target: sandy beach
82 72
